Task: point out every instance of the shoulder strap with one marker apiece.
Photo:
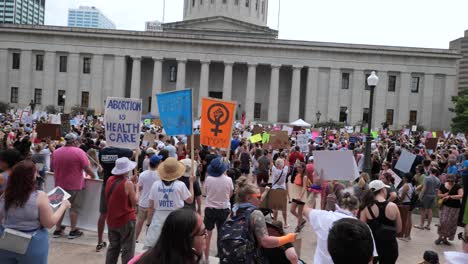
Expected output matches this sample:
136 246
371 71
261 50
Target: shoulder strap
279 178
113 187
369 208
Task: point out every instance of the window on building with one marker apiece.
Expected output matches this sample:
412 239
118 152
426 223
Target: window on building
247 3
39 62
217 95
392 83
14 95
149 103
345 80
86 65
343 114
63 64
173 73
16 61
415 84
413 117
263 7
61 97
365 115
257 111
201 2
224 1
236 2
84 99
38 96
256 5
389 117
365 81
212 1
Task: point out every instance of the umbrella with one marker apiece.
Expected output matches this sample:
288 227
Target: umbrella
300 123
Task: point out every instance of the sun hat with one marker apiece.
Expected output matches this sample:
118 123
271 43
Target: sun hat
150 151
217 167
377 185
122 166
188 167
171 169
155 159
311 158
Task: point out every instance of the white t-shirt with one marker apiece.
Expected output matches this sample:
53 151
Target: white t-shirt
453 257
322 221
46 152
169 198
146 181
218 191
277 173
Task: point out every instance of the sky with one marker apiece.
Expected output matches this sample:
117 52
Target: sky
412 23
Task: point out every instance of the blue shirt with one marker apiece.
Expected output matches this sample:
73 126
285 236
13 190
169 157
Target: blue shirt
452 170
234 144
465 166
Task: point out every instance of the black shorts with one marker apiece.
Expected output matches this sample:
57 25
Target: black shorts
215 217
262 178
102 202
298 202
245 171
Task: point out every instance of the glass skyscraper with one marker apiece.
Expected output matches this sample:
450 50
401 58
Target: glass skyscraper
22 11
88 17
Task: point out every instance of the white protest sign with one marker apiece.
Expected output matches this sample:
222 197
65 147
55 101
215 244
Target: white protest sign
328 161
303 142
414 128
289 129
55 119
405 161
395 177
349 129
246 134
122 122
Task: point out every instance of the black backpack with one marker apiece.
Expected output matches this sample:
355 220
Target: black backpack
236 242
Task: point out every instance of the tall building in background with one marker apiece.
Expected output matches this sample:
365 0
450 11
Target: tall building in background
154 26
89 17
22 11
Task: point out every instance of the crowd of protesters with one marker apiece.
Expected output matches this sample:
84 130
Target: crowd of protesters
157 190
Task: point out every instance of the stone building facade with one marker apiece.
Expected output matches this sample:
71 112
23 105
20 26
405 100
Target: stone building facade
227 53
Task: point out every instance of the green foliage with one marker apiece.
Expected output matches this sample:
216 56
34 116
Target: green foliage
332 124
460 121
77 110
51 109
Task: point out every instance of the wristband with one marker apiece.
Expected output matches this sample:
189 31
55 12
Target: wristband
289 238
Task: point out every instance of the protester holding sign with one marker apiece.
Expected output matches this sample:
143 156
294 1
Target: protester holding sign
26 210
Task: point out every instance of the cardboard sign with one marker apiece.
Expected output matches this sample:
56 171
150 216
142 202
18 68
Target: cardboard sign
175 110
256 138
51 131
65 123
157 122
55 119
278 140
328 160
405 161
216 122
196 142
257 130
57 196
148 139
431 143
303 142
122 122
395 177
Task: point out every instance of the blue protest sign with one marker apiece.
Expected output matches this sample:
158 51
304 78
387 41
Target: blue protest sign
175 111
353 140
122 120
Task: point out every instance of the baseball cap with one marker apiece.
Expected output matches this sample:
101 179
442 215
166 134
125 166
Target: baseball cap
377 185
311 158
150 151
155 159
71 137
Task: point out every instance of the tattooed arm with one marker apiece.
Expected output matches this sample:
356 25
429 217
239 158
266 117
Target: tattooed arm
261 232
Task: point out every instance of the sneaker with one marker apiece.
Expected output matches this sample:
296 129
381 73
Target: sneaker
445 242
438 241
74 234
58 233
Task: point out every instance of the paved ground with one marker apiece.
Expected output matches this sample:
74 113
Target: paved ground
82 251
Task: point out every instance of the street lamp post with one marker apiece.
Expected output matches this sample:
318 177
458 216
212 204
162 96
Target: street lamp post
318 115
372 82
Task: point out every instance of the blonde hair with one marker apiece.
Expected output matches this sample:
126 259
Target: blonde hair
279 163
363 180
244 188
92 154
349 202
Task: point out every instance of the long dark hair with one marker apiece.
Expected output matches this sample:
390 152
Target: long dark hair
368 199
21 183
175 241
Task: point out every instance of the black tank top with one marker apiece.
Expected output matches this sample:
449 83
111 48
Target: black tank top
382 227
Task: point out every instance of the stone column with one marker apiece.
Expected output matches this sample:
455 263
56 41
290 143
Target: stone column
357 89
157 85
295 94
136 78
379 103
25 91
180 85
204 83
450 90
311 95
428 93
72 97
227 85
120 73
403 100
49 94
274 91
333 94
4 68
97 74
250 92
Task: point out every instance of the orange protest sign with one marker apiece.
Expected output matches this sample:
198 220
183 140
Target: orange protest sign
216 122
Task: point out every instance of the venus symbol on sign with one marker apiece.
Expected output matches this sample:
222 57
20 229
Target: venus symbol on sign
218 115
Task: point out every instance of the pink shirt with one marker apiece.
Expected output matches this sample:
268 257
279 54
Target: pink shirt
218 191
68 163
135 259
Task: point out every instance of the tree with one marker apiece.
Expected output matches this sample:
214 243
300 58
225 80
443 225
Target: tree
460 121
4 107
51 109
77 110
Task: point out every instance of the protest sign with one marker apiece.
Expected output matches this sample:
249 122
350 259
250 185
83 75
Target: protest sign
328 160
256 138
315 134
319 139
217 117
257 130
414 128
431 143
196 142
57 196
65 123
303 142
395 177
246 134
148 139
353 140
278 140
405 161
265 138
196 124
122 122
51 131
349 129
54 119
175 110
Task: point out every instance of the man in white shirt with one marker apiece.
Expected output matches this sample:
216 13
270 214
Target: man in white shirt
171 149
145 182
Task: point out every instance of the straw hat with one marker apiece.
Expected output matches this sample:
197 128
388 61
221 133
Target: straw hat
171 169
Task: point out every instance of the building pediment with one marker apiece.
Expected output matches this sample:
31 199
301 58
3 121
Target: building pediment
220 25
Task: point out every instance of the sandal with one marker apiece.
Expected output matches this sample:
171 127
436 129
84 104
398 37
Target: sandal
427 228
418 227
101 246
301 226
